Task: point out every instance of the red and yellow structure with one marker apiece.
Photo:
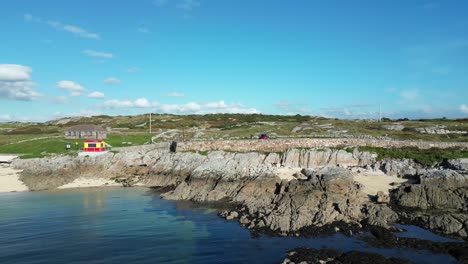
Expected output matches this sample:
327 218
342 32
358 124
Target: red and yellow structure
94 145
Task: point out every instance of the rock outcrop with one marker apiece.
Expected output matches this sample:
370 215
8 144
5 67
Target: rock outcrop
396 127
458 164
329 195
317 158
442 192
398 167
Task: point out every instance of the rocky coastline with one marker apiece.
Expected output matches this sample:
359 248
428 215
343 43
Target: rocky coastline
299 192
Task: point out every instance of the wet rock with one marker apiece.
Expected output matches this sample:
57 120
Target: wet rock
232 215
380 215
315 256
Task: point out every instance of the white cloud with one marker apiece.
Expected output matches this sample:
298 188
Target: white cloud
74 88
410 94
198 108
464 109
5 117
112 80
78 31
144 30
14 72
188 108
188 5
96 95
142 103
15 83
175 94
93 53
118 104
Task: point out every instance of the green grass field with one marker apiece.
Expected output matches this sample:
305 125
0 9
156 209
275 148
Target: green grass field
50 146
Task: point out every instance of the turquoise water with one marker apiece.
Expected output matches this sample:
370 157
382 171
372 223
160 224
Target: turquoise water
122 225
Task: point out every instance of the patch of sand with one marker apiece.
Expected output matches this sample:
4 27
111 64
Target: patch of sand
9 179
89 182
375 181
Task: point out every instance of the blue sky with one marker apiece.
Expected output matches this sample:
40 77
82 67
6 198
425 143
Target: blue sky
330 58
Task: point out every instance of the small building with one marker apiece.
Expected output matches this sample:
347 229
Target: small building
86 132
92 145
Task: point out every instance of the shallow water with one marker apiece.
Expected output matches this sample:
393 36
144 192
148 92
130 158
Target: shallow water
121 225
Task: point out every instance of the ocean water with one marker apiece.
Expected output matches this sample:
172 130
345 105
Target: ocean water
123 225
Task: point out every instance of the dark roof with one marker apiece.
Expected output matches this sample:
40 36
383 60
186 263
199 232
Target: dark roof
85 127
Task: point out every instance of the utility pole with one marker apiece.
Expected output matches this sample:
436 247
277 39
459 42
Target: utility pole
150 127
380 112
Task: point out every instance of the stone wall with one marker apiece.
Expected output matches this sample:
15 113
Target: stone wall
280 145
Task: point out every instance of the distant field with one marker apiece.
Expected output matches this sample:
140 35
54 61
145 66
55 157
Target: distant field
41 139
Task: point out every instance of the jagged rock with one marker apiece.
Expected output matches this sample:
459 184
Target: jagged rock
329 195
458 164
399 168
430 197
443 190
396 127
382 198
300 176
232 215
455 224
244 220
313 158
273 159
380 215
447 179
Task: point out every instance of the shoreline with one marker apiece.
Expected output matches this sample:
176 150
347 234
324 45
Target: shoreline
9 177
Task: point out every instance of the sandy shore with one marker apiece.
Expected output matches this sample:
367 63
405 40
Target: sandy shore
375 181
89 182
9 179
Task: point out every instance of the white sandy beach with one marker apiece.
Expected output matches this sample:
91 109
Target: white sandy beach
9 177
89 182
375 181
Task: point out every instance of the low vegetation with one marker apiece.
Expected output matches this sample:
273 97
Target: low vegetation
427 157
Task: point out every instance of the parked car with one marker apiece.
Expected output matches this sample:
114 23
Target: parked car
263 136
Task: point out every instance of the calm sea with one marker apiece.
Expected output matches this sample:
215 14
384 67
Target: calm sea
123 225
